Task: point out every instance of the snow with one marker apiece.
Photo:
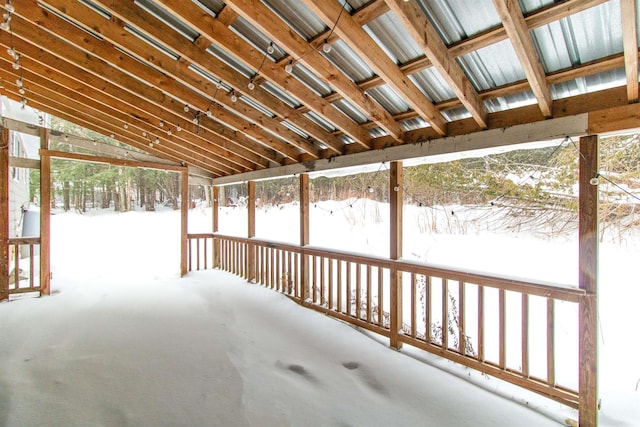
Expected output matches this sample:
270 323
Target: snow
124 341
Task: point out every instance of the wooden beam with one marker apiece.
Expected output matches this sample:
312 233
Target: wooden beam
588 280
629 13
184 221
352 33
215 212
213 30
422 31
474 144
21 162
270 24
121 68
4 213
196 54
45 214
395 252
251 230
111 161
522 42
305 192
614 119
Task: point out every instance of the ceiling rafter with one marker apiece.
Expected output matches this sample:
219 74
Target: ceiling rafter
67 60
536 19
628 10
522 42
377 59
213 30
181 82
66 112
423 33
35 75
270 24
121 67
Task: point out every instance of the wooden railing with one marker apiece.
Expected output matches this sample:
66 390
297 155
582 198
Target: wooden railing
442 311
23 280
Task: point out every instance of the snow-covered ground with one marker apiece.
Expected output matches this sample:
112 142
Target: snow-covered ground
123 341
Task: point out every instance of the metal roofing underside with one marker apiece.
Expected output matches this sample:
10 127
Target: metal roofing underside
192 65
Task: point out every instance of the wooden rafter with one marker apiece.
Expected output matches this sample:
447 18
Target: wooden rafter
629 13
269 23
377 59
416 22
62 67
213 30
177 80
518 32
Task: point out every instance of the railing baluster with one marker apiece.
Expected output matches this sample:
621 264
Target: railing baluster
380 296
205 253
348 288
414 311
525 335
427 307
314 282
197 254
462 339
339 286
445 313
322 281
358 291
296 266
330 296
369 307
502 310
551 363
31 266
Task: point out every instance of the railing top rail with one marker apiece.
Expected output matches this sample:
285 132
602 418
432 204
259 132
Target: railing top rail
24 240
516 284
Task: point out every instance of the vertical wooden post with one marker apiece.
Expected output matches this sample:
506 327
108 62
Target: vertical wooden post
184 224
304 234
588 280
45 215
214 217
395 252
251 227
4 214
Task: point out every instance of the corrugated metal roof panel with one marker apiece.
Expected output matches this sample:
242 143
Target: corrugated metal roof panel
492 66
349 110
456 114
230 60
312 81
320 121
211 6
592 83
389 99
413 124
256 38
280 94
529 6
343 57
512 101
431 83
393 38
580 38
456 20
298 16
168 18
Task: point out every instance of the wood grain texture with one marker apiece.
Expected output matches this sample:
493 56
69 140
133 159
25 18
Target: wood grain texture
588 280
4 213
45 214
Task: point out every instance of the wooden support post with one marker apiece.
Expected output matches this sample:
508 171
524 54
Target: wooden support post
184 222
304 234
251 227
4 213
588 281
395 191
215 205
45 214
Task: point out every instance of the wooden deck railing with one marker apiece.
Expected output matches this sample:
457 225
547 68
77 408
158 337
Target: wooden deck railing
23 281
442 311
